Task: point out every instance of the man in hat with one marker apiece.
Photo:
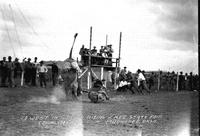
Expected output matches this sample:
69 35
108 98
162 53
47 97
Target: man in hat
35 64
83 53
191 81
28 71
94 54
109 53
11 67
123 73
54 73
17 71
101 60
94 51
142 82
181 81
42 70
173 80
4 70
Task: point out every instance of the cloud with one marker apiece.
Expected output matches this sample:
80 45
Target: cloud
177 21
16 28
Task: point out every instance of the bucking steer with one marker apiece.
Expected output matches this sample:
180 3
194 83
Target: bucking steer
69 74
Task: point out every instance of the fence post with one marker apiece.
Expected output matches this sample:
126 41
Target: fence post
102 69
158 79
177 82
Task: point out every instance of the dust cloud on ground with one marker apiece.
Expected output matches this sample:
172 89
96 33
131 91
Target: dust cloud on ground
56 96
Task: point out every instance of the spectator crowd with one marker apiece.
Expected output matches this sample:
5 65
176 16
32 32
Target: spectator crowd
25 73
159 80
34 73
101 57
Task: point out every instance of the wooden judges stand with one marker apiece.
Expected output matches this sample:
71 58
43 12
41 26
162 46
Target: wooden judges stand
99 71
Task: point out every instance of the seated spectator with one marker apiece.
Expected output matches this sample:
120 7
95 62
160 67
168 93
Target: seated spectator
101 60
105 55
94 53
109 54
110 50
101 51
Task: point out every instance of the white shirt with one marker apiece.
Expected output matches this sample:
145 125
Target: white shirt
42 69
141 77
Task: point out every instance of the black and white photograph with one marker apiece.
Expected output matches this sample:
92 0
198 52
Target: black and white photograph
99 68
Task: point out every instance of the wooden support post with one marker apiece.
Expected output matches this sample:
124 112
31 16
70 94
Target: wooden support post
115 78
177 82
120 39
88 80
159 80
83 73
89 67
102 69
22 78
106 40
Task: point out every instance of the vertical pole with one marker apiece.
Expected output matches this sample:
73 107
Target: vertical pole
158 79
177 82
115 78
102 69
120 39
22 75
106 40
88 80
89 66
22 78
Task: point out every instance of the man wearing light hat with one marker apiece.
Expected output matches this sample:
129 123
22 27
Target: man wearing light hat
42 69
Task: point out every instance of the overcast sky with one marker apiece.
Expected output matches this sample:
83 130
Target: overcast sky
156 34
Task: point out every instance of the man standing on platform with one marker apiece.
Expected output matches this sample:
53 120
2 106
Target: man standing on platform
101 51
94 54
109 53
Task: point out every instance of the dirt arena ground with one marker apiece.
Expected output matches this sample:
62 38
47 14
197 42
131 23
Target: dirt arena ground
35 112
